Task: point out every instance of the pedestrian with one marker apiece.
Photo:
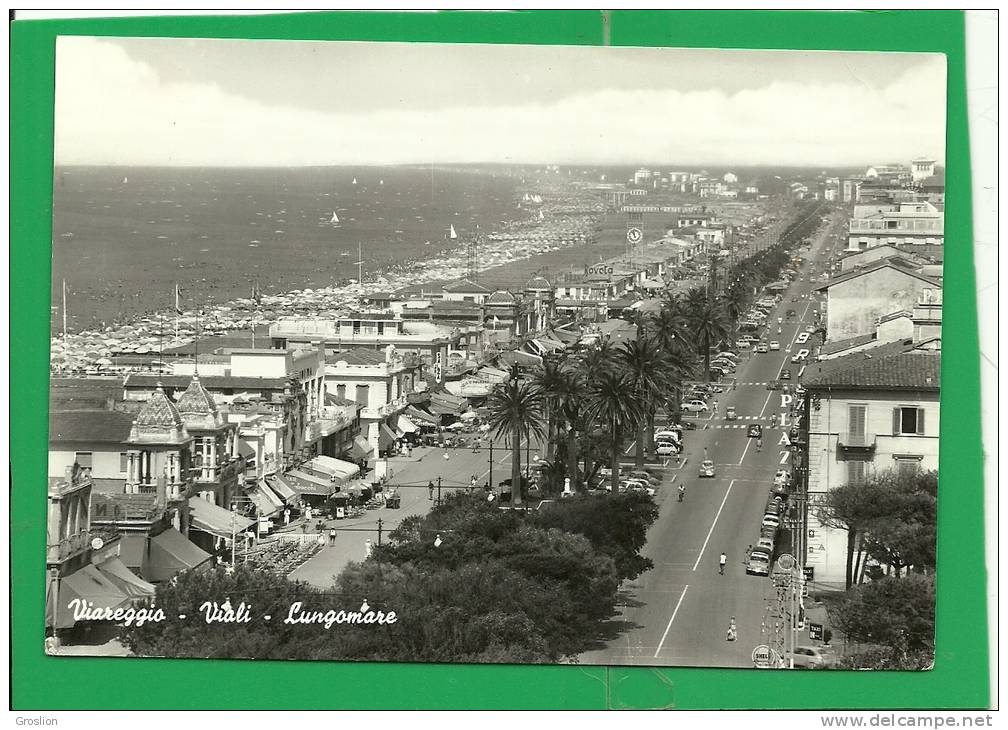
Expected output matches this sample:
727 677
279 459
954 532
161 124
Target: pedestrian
332 535
430 491
472 483
286 516
721 563
486 487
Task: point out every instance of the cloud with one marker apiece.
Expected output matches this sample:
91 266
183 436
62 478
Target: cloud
112 109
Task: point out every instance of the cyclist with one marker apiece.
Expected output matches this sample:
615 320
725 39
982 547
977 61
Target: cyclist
682 492
722 561
732 630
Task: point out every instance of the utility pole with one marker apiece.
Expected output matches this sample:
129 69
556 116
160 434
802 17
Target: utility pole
379 531
439 491
490 476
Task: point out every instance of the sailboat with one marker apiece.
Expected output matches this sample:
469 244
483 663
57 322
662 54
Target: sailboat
381 182
452 234
125 180
354 181
335 219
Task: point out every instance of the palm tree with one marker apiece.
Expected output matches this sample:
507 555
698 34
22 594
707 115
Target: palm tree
709 328
734 301
613 401
547 382
593 365
647 368
571 395
515 411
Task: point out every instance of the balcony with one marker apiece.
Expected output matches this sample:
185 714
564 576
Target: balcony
930 226
68 547
856 445
385 410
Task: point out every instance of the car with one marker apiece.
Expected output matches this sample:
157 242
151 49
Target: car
730 413
771 521
707 468
782 478
768 532
666 448
758 562
639 487
729 354
774 345
773 385
800 356
688 426
644 476
785 374
695 406
812 657
766 543
745 342
794 298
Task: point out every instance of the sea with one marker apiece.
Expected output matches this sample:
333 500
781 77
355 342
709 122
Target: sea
124 237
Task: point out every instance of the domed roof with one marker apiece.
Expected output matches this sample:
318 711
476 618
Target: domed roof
501 296
196 399
159 411
538 283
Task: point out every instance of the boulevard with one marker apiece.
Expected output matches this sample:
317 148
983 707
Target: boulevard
678 613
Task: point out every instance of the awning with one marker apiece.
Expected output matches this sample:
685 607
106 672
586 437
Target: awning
171 553
282 488
333 467
361 448
406 425
417 415
306 483
215 520
442 410
129 583
260 496
87 585
386 437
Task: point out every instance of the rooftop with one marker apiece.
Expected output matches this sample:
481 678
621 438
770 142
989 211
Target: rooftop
100 426
893 262
211 382
894 366
464 286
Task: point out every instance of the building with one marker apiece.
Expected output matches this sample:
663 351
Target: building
730 178
83 561
856 300
921 169
866 413
911 223
853 260
411 328
381 383
464 290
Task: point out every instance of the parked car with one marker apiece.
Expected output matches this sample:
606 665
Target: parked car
644 476
707 468
666 448
695 406
766 543
762 347
771 521
664 434
758 562
812 657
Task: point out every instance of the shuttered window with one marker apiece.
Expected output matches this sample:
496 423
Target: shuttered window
123 462
855 472
856 425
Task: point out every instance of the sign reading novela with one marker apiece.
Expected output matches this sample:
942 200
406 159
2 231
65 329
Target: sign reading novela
598 269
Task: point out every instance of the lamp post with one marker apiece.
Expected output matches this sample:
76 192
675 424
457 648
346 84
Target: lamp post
234 510
490 476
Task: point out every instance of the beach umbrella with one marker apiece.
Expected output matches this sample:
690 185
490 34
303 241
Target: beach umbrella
103 361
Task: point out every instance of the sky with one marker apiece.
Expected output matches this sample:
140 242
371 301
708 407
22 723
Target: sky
167 101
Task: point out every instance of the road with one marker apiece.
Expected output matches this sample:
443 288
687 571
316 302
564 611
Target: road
678 613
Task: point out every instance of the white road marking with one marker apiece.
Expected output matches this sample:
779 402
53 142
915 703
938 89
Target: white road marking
713 524
674 612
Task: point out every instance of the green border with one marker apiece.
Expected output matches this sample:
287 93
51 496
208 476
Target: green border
960 677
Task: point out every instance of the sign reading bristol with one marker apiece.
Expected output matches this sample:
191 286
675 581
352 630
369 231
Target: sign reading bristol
634 235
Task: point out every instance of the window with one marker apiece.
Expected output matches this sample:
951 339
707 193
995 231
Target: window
123 462
341 391
855 472
856 425
83 459
890 224
363 393
907 466
908 420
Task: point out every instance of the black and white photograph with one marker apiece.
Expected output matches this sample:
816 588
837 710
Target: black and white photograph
519 354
